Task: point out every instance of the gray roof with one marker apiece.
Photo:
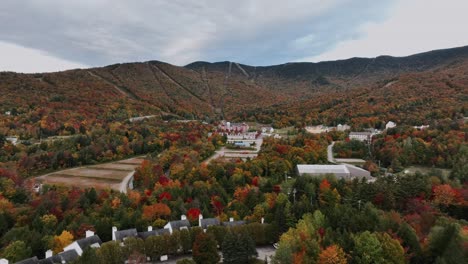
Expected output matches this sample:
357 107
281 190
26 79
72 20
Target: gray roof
66 256
122 234
176 225
32 260
69 255
234 223
88 241
322 169
206 222
159 232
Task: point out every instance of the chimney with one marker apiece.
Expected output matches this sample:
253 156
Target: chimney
150 228
89 233
263 220
183 217
200 217
3 261
114 229
49 253
231 219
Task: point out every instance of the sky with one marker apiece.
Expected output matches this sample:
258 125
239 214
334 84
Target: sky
55 35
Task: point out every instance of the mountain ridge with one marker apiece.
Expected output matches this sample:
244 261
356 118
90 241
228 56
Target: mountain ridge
229 90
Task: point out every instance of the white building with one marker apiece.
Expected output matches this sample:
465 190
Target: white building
361 136
422 127
181 224
390 124
344 171
12 140
341 127
268 130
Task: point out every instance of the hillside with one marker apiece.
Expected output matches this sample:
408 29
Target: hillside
287 94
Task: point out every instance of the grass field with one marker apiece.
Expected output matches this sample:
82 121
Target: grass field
101 176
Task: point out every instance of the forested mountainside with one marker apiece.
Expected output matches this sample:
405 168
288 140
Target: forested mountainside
356 91
57 121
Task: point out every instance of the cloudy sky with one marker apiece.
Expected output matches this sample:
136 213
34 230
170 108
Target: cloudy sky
52 35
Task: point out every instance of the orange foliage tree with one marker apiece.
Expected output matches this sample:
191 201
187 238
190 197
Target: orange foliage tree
332 255
154 211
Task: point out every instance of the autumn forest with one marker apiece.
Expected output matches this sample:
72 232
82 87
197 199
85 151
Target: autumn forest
169 117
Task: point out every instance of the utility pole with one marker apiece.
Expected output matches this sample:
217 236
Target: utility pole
359 205
294 194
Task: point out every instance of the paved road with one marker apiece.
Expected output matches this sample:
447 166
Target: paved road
124 184
265 251
330 153
331 159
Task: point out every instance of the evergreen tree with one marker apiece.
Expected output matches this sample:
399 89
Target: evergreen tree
445 245
238 248
205 249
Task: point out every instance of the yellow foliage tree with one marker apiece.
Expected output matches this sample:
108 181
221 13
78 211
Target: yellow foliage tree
61 241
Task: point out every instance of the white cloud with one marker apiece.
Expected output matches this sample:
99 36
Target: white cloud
413 26
20 59
101 32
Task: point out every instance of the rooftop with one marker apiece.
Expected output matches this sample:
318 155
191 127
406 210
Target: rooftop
179 223
88 241
206 222
159 232
322 169
122 234
233 223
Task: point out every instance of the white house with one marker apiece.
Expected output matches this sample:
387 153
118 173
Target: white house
159 232
181 224
204 223
121 235
390 124
12 140
80 245
232 223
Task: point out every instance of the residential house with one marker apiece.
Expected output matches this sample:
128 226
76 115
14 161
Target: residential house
123 234
91 240
181 224
159 232
204 223
67 256
231 222
33 260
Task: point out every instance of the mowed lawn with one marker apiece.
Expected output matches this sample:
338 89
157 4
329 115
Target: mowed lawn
101 176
